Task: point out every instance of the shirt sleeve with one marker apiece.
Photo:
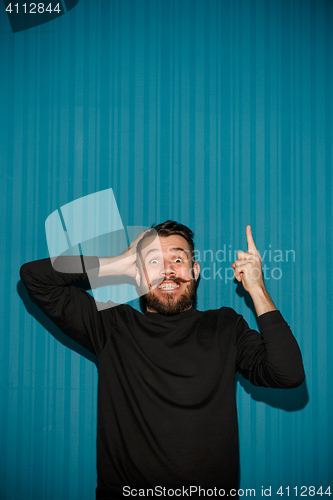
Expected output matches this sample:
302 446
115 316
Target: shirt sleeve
272 359
72 309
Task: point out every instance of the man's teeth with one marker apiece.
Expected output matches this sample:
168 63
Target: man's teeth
168 286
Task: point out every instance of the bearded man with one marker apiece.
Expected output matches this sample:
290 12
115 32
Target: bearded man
167 420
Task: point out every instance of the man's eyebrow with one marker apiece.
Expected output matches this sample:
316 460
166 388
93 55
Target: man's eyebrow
180 248
173 248
153 250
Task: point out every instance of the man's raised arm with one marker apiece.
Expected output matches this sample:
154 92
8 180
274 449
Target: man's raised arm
272 359
72 309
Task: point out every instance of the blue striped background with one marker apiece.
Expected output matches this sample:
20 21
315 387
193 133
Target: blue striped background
215 113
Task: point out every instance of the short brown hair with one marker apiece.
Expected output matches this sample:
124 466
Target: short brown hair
168 228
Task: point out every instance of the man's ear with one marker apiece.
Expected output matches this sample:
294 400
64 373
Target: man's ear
196 270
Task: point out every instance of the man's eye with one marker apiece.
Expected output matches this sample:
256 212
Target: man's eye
178 259
154 261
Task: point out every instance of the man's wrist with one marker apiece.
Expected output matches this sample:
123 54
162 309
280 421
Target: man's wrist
261 300
109 266
258 291
114 266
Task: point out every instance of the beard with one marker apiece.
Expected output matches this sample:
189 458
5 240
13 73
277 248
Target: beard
169 305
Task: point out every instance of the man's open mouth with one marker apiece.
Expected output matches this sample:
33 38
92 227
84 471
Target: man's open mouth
168 285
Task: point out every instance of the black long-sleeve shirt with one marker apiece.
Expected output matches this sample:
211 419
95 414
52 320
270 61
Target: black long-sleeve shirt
166 390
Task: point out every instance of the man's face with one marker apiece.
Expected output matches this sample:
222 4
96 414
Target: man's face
165 269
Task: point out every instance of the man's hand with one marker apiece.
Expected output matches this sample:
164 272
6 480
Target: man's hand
248 271
123 264
248 266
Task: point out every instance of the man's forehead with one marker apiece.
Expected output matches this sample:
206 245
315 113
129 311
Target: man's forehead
172 243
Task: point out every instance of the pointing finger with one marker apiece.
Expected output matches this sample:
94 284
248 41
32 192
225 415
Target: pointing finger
250 243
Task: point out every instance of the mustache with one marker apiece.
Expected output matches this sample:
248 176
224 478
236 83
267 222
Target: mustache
174 279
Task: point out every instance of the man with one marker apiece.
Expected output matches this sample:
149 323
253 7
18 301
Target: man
166 393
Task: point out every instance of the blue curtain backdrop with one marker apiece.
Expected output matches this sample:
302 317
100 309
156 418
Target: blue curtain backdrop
216 113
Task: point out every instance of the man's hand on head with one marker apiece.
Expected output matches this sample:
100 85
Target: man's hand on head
123 264
130 256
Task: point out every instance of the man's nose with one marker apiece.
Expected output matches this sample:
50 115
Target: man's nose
168 269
